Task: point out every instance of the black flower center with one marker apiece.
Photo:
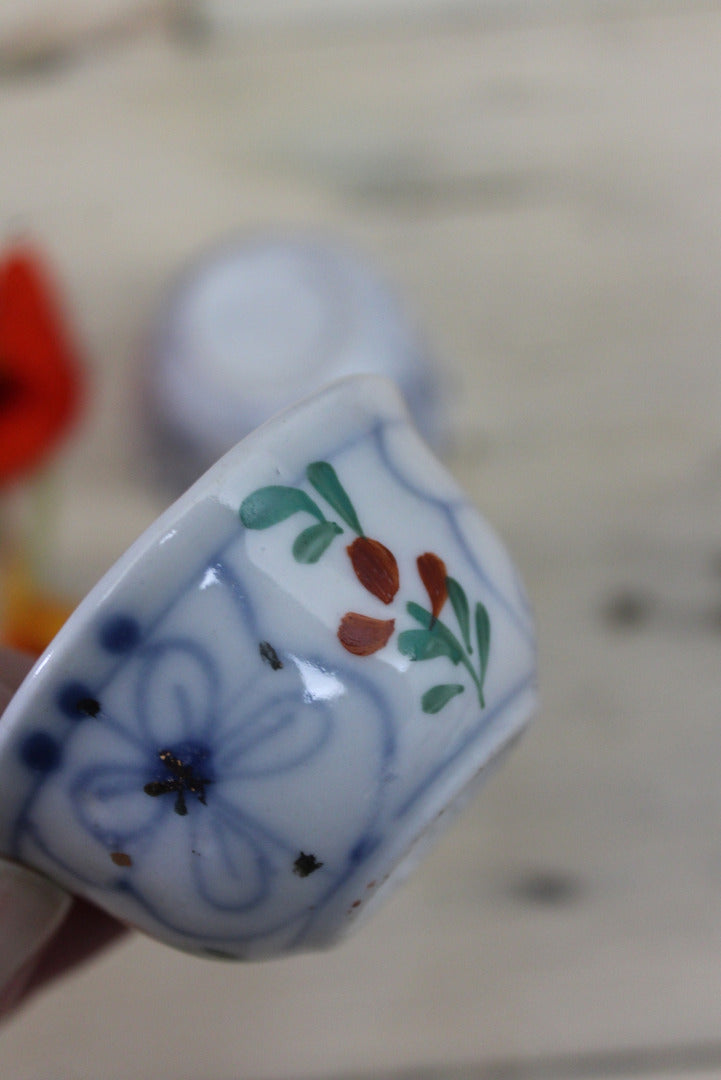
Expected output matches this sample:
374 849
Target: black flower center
182 771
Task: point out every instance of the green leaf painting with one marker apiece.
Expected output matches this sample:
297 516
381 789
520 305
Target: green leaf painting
426 645
434 699
325 480
269 505
313 541
483 634
459 603
438 630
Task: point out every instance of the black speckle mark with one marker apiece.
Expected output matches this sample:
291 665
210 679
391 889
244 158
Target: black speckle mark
270 656
77 702
305 865
181 776
88 706
547 888
628 609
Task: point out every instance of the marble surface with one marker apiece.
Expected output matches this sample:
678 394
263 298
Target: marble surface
547 196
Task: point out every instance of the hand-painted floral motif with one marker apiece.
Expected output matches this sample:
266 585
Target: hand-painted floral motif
209 775
183 773
435 638
374 564
376 568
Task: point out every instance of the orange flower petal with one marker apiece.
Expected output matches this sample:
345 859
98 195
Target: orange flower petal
433 575
375 566
361 635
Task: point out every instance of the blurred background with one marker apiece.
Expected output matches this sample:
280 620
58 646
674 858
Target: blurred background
540 183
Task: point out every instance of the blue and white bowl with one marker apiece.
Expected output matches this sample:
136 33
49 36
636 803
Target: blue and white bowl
253 723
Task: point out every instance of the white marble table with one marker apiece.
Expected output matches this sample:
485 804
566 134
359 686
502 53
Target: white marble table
548 197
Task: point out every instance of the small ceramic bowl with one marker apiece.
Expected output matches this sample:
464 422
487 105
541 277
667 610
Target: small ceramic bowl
252 725
263 319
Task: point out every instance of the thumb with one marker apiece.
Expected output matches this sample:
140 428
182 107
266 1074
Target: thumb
31 909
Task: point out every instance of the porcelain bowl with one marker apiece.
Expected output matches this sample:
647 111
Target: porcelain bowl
262 319
253 725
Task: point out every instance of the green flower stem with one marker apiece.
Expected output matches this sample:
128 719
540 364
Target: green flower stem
467 664
426 619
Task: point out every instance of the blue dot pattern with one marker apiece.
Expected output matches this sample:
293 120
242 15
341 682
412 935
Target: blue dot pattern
73 700
119 634
40 752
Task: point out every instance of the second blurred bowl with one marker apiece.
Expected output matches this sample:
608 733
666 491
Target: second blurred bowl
262 320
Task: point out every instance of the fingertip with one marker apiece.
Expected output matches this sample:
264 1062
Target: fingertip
32 909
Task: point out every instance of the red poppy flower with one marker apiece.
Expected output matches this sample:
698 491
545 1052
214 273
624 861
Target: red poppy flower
40 381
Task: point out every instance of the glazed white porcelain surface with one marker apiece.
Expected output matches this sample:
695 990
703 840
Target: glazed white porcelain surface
264 710
264 319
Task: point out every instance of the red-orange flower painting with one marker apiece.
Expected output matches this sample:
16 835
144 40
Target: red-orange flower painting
362 635
432 572
40 381
375 567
